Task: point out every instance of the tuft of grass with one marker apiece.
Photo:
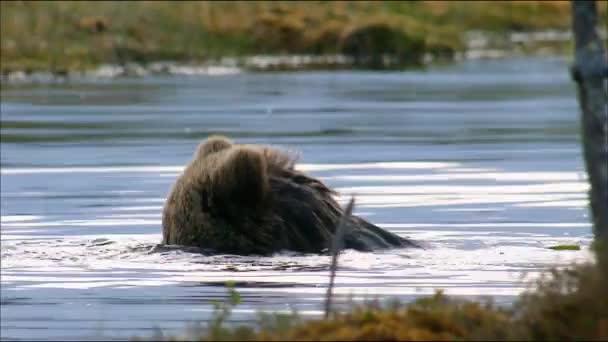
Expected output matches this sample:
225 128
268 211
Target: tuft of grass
567 305
565 248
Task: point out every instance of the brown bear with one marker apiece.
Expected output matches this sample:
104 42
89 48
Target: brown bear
244 199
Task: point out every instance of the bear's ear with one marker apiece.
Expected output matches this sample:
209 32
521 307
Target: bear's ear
241 175
213 144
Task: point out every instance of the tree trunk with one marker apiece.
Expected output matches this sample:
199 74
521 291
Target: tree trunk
590 71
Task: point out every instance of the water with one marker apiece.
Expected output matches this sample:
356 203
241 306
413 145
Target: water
479 160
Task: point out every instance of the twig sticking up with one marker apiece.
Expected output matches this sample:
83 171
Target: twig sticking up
337 245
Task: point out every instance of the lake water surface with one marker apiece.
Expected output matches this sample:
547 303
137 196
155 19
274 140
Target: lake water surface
480 160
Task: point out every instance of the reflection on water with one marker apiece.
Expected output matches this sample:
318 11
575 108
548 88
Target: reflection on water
480 163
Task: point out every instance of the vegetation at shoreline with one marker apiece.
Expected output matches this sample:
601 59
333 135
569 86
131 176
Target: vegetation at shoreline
62 36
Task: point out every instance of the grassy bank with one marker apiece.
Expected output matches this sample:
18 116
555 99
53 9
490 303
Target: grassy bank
65 36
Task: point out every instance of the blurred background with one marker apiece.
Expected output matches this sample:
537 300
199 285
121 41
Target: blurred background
454 122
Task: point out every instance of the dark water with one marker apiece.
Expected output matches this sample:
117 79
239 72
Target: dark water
481 160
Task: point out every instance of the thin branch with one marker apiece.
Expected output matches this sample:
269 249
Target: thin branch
337 245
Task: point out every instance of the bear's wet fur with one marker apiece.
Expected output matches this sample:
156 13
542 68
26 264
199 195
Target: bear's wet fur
249 199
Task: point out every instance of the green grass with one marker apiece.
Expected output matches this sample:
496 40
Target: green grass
77 35
565 248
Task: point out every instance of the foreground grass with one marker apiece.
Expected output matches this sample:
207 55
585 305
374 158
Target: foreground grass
564 305
76 35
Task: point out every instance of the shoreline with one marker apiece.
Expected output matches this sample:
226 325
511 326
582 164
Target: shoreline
479 45
46 41
251 64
